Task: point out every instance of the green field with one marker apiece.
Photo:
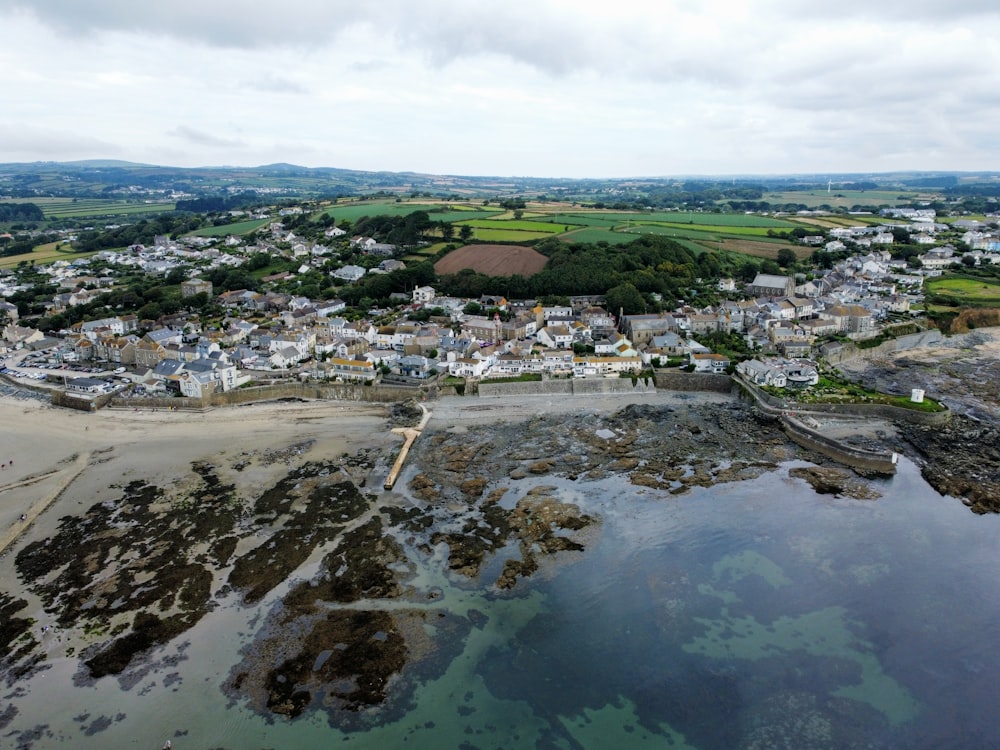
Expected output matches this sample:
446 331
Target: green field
713 229
352 211
508 235
597 234
964 290
689 217
224 230
454 215
514 224
847 198
696 230
43 254
581 220
80 208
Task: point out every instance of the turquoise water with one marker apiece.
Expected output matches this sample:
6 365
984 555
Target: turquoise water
750 615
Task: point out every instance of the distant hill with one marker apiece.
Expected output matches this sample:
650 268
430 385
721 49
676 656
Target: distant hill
111 178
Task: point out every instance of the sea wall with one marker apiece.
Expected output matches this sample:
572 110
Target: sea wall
780 405
883 462
567 387
911 341
322 391
69 401
275 392
674 380
531 388
166 403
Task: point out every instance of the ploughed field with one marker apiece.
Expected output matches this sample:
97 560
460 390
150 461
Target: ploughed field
493 260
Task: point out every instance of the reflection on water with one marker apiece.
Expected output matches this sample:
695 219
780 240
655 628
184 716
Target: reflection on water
749 615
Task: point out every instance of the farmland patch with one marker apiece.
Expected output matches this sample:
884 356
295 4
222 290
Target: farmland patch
493 260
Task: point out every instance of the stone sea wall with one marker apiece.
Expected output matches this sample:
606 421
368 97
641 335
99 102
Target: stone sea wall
883 462
912 341
775 405
567 387
673 380
338 392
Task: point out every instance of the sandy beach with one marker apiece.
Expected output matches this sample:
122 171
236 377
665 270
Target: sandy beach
58 461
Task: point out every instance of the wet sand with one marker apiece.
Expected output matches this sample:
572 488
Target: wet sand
60 461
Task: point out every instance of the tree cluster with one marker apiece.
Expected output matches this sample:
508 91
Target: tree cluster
10 212
649 265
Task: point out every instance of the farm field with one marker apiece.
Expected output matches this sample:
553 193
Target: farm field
692 217
963 290
459 215
493 260
521 225
41 255
224 230
762 249
846 198
713 229
425 253
508 235
596 234
580 220
352 211
80 208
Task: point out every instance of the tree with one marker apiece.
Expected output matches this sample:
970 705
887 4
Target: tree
627 298
447 230
518 213
465 233
770 267
786 257
900 236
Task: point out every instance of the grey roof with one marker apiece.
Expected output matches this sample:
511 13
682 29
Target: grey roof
770 281
162 334
86 382
201 365
168 367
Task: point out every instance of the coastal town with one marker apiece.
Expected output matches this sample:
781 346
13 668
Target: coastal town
771 328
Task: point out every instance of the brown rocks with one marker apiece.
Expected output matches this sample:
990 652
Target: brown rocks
829 481
423 487
473 487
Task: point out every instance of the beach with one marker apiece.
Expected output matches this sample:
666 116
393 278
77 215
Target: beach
252 554
60 460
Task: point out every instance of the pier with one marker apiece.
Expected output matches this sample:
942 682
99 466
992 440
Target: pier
410 434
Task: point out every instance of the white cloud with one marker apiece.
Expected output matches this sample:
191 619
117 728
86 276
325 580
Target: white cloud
543 87
200 138
23 142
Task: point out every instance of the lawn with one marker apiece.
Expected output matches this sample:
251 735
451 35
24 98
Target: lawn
964 290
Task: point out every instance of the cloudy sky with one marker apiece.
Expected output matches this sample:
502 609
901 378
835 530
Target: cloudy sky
557 88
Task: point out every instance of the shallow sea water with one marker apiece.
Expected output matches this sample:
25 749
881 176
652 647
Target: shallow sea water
756 614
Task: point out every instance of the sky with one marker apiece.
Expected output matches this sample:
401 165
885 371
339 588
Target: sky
542 88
